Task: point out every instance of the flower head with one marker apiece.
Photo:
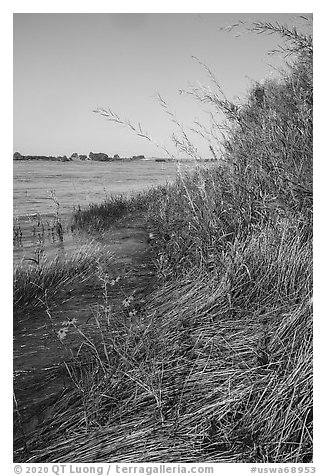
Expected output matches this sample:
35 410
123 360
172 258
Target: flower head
62 333
114 281
126 302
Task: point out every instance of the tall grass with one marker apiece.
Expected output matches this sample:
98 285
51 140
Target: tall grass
101 216
37 282
216 365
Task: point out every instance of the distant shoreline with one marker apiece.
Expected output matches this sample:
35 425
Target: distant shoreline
97 157
36 158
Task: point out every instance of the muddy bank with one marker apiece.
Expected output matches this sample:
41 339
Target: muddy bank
41 355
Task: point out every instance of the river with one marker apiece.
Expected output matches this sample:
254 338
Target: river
41 189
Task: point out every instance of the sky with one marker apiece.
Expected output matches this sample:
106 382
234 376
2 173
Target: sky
68 65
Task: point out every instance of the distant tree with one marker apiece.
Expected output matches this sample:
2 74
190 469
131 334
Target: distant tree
100 156
17 156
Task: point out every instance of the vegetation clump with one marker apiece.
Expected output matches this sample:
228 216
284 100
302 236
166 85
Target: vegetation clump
100 216
216 364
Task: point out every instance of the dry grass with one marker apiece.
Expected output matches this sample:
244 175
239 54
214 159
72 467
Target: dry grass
35 282
204 373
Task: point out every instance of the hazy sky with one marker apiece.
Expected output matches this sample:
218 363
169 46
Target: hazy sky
67 65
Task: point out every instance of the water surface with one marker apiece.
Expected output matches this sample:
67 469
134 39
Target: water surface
43 189
81 182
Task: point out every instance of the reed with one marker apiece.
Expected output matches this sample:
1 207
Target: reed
39 229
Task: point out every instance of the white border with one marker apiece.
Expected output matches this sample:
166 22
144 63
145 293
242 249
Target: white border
101 6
